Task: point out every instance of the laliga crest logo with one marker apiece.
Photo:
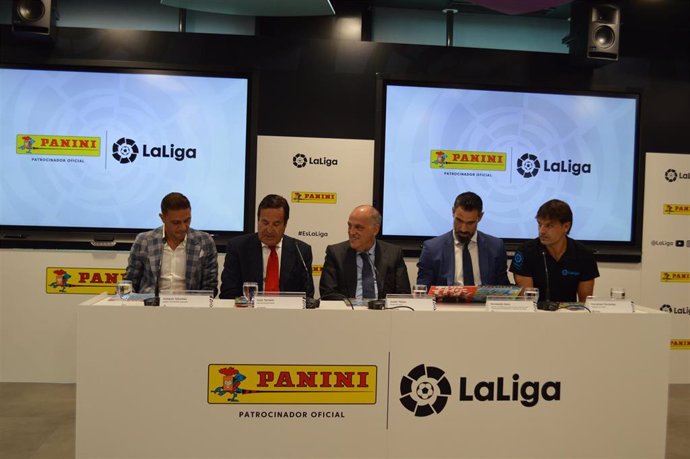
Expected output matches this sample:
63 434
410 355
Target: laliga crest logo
424 390
672 175
125 150
300 160
528 166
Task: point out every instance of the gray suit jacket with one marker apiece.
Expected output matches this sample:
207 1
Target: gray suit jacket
339 273
144 263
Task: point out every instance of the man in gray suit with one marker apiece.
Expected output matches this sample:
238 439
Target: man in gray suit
173 256
363 267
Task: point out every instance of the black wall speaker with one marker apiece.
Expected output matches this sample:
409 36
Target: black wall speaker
594 32
34 18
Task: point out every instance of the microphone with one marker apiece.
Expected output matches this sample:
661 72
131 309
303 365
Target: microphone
310 303
547 304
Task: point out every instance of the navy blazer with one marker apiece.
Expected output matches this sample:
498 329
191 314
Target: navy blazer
339 275
244 263
436 264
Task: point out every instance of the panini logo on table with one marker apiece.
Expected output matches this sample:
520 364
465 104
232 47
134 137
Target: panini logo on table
37 144
314 197
668 276
680 344
292 384
468 160
84 281
677 209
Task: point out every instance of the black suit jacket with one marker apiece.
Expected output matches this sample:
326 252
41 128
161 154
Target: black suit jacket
244 263
339 273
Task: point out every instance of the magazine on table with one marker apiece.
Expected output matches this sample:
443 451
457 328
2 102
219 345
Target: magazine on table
472 293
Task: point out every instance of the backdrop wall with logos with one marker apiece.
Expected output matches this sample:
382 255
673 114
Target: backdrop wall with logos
323 180
665 272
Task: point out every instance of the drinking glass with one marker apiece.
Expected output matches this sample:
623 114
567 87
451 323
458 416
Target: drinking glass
124 289
532 294
617 293
419 290
249 290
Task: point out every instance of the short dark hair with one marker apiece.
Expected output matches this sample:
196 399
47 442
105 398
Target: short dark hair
556 209
468 201
174 201
274 201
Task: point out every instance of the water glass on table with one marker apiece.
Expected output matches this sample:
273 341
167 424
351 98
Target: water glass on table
249 290
531 293
419 290
124 289
617 293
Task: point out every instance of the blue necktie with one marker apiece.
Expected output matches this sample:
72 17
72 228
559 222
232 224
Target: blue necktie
467 272
367 277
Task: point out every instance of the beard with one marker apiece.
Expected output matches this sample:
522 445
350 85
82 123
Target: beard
464 238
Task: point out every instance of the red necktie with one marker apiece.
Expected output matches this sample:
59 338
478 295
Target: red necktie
272 275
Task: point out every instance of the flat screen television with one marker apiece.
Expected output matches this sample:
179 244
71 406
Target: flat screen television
96 150
516 149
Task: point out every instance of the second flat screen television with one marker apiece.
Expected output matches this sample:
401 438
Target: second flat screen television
516 149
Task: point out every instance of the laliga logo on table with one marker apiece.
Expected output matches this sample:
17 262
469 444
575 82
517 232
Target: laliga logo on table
672 310
301 160
672 175
126 150
528 166
424 390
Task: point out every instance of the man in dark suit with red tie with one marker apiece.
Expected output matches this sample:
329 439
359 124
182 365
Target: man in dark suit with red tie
276 262
363 267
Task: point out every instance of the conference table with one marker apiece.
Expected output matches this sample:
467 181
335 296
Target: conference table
222 381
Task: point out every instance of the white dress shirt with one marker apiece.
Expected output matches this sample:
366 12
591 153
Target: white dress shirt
173 267
474 253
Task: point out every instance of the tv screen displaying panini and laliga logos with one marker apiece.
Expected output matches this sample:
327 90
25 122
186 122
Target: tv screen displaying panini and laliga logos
95 149
516 149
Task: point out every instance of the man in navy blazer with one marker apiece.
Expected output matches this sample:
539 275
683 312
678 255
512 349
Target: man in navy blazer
441 261
246 257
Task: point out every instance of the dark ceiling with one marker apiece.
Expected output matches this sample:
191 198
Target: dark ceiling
637 13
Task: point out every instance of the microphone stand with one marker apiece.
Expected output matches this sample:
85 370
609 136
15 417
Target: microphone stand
309 302
547 305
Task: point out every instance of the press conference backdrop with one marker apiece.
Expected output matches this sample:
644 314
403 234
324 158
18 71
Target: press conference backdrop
323 179
93 149
665 272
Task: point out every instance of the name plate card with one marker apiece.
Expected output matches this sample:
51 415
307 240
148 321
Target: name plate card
417 303
608 305
517 305
187 301
279 302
